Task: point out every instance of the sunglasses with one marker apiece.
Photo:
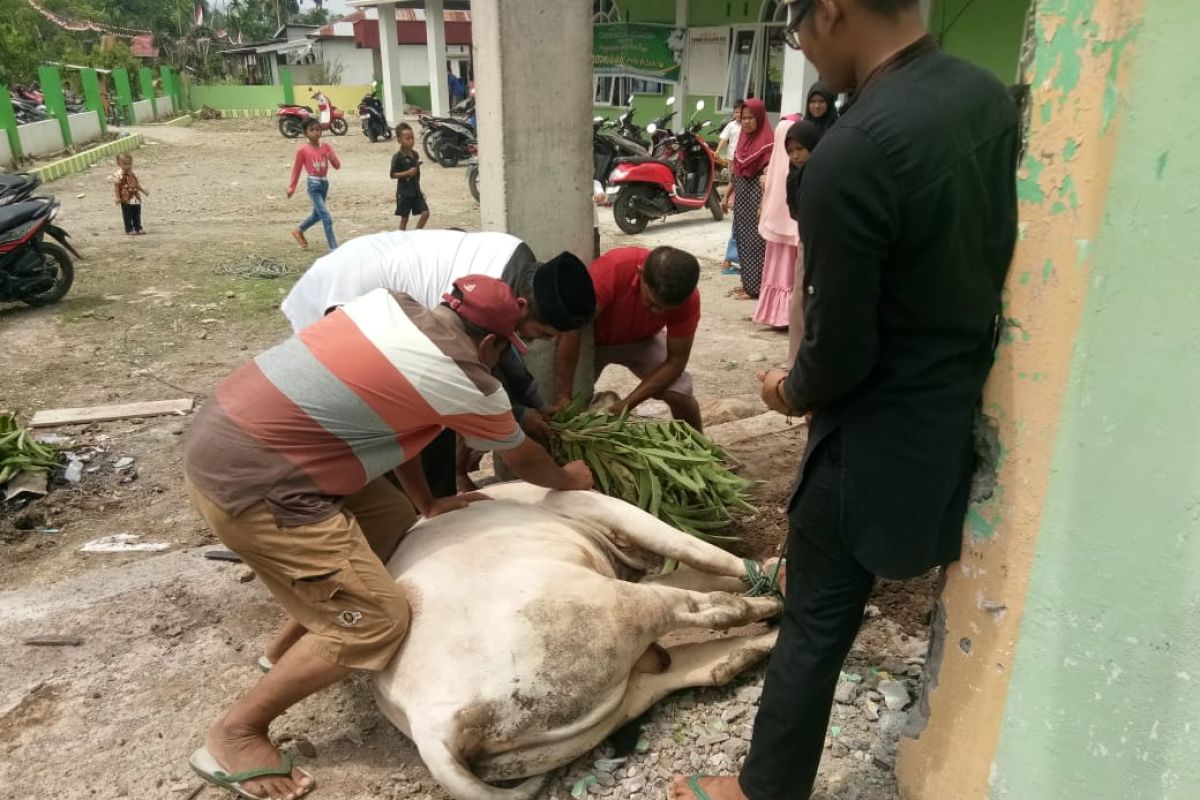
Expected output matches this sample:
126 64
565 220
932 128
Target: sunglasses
797 11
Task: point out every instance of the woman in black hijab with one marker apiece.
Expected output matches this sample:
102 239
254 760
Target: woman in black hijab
821 107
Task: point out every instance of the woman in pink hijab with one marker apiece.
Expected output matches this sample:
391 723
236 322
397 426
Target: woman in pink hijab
749 163
778 229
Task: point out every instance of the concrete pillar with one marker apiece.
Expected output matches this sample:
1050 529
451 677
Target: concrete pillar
681 88
1070 636
146 79
798 77
289 86
124 94
533 75
51 82
92 97
435 51
389 54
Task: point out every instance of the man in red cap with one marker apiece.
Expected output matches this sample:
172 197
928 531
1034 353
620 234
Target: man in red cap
287 464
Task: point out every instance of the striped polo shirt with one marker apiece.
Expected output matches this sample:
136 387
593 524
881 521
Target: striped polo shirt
346 400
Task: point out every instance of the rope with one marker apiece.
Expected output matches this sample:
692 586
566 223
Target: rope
254 267
759 583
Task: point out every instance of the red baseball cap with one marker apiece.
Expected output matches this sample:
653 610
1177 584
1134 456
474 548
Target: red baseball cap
490 304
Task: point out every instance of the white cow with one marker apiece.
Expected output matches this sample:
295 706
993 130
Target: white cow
534 632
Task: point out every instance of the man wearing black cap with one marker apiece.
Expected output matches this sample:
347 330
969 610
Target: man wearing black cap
559 296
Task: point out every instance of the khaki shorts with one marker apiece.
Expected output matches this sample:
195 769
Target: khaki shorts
642 358
329 575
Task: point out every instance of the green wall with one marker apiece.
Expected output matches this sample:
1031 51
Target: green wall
231 96
701 13
647 107
1102 702
985 32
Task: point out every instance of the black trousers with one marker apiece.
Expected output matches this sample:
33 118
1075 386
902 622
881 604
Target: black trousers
438 460
827 592
131 215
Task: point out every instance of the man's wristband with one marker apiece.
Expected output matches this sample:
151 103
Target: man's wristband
782 397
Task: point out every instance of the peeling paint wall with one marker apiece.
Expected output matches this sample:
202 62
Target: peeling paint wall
1023 566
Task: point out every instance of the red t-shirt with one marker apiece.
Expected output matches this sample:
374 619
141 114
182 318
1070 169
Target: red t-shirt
621 316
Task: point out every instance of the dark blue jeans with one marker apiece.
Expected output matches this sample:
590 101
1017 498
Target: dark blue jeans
317 191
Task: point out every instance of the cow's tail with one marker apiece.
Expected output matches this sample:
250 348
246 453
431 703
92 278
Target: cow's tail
448 769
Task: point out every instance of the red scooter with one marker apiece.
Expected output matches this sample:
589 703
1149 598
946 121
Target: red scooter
683 179
293 117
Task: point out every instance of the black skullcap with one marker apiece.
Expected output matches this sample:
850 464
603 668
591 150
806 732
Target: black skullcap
563 293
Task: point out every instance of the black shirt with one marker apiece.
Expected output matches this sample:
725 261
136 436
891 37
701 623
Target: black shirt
909 214
407 187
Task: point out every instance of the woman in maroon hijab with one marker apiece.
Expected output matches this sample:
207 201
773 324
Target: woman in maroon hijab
749 162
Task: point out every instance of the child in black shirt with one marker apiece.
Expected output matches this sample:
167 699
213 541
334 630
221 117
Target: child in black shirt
406 169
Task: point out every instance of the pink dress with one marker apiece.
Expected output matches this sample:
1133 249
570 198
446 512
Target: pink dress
779 230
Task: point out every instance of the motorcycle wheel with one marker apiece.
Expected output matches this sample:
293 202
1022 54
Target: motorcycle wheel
57 259
473 181
290 127
339 127
627 219
387 132
448 157
432 143
714 205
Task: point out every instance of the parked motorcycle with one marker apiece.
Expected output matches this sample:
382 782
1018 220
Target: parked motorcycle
17 186
682 180
649 140
292 119
26 112
608 146
33 270
374 121
447 140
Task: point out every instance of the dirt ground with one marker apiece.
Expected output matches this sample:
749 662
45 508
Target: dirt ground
169 637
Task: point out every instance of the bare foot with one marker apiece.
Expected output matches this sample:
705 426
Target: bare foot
723 787
238 751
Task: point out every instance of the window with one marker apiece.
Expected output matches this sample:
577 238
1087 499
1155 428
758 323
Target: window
605 11
741 53
612 90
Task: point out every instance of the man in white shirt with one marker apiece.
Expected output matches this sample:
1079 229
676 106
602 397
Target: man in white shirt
728 144
424 264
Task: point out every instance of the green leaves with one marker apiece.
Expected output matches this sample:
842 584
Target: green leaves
19 452
665 468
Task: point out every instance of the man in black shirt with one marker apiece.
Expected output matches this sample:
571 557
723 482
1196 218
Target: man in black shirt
908 215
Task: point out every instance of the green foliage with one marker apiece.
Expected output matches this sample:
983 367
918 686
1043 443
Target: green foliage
314 16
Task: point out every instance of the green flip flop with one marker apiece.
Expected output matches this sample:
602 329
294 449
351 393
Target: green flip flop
210 769
694 787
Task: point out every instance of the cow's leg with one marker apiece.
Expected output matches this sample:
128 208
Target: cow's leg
712 663
716 610
694 580
645 531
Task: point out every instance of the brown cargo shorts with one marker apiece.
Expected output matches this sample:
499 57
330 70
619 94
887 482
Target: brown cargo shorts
330 575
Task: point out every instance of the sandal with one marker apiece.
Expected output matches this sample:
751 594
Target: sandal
298 235
694 787
207 767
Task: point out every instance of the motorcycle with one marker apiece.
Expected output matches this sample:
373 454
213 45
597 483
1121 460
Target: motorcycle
608 146
374 121
292 118
33 270
447 140
650 140
17 186
682 180
26 112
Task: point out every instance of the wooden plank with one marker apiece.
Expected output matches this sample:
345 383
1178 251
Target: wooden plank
79 416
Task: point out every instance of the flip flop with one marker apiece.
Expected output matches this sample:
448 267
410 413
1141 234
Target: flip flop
265 664
210 770
694 787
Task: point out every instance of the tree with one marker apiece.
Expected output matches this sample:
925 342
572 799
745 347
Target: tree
314 16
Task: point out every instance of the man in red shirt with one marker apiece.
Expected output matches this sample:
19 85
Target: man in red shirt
639 293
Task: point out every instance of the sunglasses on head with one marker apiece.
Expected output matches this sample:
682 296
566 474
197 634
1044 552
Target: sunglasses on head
797 11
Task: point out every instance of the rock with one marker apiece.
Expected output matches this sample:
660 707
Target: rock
871 710
839 750
757 359
605 779
733 713
608 764
74 471
123 463
305 746
711 739
245 575
230 295
895 695
892 722
736 748
749 694
845 692
202 335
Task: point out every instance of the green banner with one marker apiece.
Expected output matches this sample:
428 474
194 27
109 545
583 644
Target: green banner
630 48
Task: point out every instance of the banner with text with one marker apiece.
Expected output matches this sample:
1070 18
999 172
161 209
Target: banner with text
630 48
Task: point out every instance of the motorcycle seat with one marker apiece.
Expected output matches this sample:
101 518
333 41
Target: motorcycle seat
642 160
16 182
19 213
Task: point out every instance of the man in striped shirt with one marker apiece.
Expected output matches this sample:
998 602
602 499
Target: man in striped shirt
287 464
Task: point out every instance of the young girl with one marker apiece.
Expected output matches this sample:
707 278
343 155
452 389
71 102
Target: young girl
406 169
801 139
778 230
129 192
315 157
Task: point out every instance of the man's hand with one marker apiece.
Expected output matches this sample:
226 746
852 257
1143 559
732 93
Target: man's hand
619 407
581 476
290 192
444 505
558 405
535 425
771 391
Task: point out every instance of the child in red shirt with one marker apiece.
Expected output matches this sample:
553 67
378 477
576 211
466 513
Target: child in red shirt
316 159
